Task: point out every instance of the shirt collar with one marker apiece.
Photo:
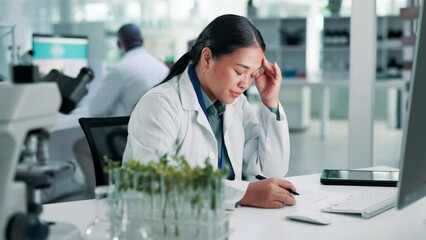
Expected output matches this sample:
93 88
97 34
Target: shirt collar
206 99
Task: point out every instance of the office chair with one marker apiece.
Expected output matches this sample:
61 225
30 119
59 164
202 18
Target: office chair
107 136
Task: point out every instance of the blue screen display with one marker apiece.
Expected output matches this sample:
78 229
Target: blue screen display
67 54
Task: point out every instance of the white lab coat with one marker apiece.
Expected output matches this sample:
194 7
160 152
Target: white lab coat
171 111
130 78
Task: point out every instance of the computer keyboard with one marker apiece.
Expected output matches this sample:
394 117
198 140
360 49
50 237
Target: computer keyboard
368 204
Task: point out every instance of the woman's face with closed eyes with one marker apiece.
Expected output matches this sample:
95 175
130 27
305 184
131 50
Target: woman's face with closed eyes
225 78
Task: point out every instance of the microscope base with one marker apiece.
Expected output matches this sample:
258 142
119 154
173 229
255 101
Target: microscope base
63 231
15 203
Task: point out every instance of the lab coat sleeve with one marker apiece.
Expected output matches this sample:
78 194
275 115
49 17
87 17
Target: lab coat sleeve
106 96
152 127
234 191
267 146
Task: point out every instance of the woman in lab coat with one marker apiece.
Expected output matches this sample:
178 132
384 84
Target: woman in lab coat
201 103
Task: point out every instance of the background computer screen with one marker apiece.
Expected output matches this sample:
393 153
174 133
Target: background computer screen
67 54
412 181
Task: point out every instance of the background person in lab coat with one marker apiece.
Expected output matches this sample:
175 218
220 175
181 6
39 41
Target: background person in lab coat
117 94
201 103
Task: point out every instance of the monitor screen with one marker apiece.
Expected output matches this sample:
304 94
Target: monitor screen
67 54
412 181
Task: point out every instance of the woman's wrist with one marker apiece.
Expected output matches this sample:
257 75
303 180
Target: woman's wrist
271 103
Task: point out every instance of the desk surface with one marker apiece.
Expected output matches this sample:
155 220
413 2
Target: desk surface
254 223
65 122
70 121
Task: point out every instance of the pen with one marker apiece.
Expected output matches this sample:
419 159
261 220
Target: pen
260 177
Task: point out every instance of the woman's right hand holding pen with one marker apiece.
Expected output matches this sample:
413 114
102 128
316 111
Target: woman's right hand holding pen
269 193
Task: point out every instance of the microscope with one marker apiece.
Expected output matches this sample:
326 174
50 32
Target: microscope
27 110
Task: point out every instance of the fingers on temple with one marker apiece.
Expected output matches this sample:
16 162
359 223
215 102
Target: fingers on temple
277 69
256 74
267 66
270 74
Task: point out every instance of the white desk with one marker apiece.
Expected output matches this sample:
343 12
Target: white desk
65 122
70 121
252 223
326 85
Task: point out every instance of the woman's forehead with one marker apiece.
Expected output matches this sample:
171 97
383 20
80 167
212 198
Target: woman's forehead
246 57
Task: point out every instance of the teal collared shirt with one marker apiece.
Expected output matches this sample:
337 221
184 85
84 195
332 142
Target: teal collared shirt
215 116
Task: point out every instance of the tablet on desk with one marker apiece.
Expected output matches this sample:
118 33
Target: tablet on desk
359 177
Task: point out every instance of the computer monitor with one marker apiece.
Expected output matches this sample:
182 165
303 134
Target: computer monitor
412 181
67 54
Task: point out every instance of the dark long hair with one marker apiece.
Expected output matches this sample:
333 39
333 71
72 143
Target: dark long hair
223 36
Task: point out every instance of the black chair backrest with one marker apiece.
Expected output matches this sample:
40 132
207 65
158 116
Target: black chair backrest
107 136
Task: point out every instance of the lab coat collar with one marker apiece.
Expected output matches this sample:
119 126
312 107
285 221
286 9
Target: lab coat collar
229 117
187 93
190 101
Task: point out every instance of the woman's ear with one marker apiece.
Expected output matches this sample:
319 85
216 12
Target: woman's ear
205 59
